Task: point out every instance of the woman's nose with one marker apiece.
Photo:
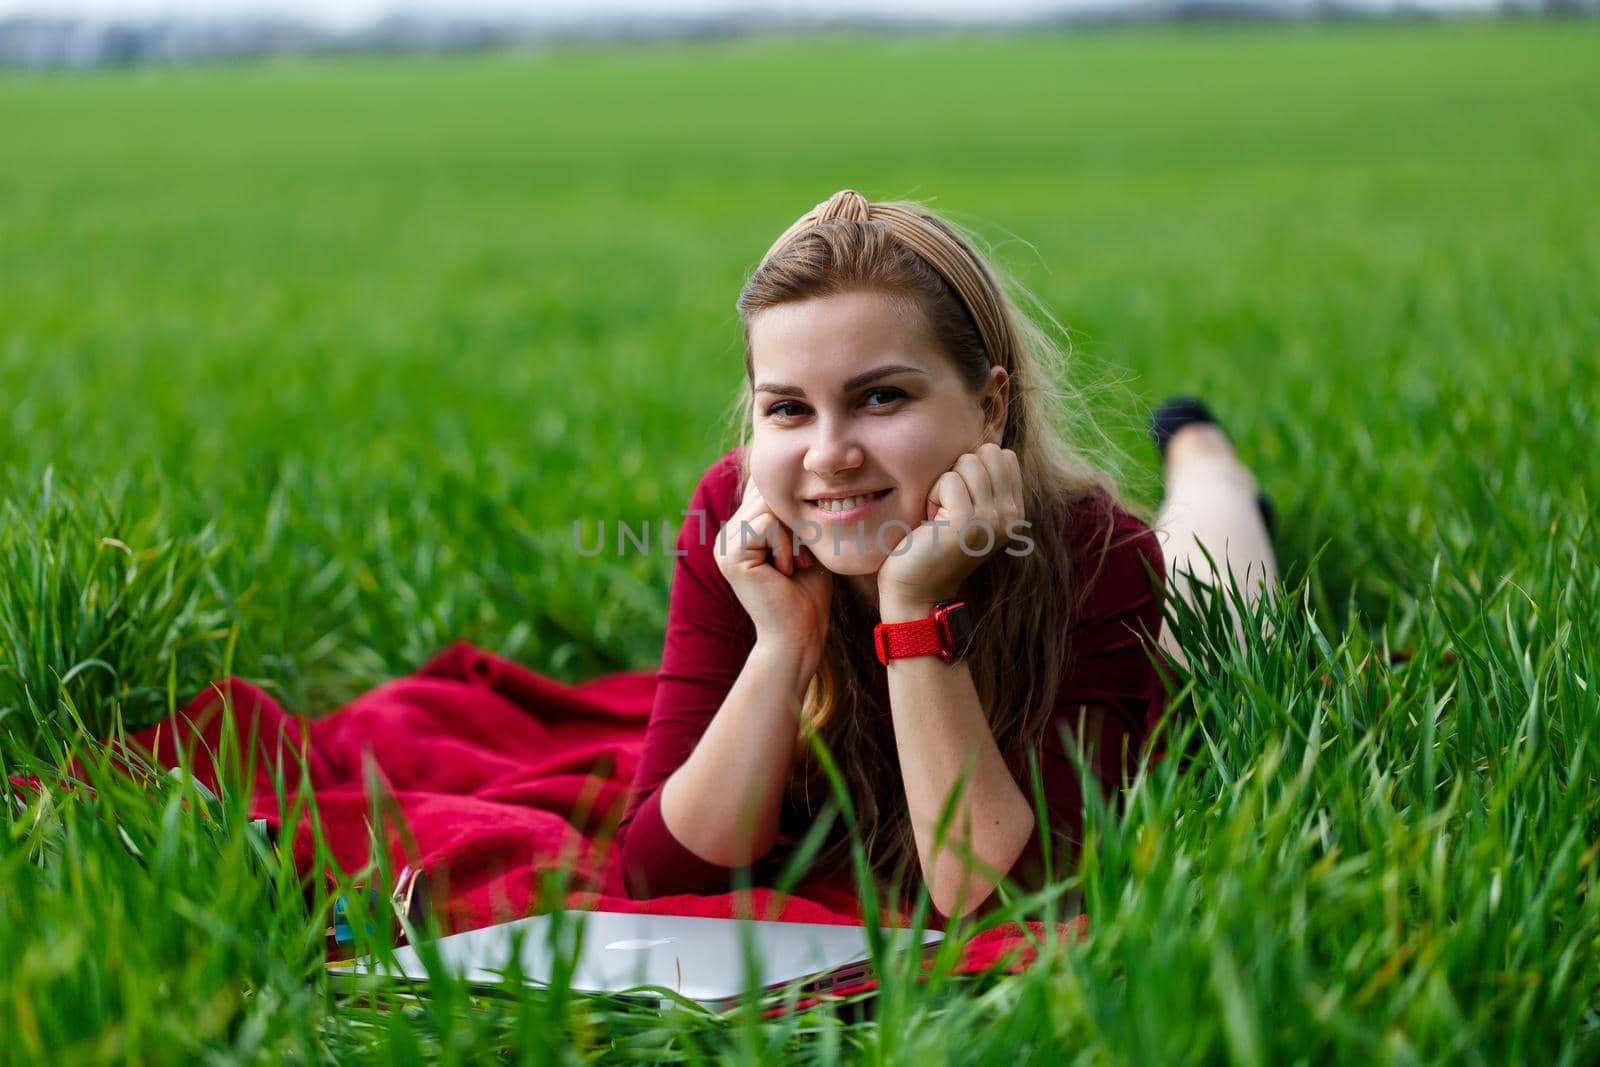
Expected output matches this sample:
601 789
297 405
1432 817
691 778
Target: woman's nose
832 449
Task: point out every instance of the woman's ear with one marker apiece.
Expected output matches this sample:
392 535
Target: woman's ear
996 402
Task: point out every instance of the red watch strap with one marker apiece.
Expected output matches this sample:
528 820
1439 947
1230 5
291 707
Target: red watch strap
945 633
897 640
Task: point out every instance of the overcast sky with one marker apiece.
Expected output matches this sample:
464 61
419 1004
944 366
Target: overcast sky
355 12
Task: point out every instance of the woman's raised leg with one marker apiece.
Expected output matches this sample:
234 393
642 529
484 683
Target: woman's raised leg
1211 500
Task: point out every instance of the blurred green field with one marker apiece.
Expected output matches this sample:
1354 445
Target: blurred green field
307 368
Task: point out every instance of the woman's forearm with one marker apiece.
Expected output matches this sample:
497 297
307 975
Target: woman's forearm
723 803
942 733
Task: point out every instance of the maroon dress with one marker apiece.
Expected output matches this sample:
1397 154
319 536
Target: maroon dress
1111 686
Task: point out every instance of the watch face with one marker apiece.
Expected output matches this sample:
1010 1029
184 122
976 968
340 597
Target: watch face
955 629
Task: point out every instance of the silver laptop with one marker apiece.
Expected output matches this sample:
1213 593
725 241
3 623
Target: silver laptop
709 961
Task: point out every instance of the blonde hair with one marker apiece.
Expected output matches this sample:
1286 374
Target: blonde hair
1022 605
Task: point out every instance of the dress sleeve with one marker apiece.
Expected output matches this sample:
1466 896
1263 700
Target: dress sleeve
709 638
1111 691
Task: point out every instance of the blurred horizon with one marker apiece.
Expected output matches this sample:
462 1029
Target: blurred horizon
83 34
352 13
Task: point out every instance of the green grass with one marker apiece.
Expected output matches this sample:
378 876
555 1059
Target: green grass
308 367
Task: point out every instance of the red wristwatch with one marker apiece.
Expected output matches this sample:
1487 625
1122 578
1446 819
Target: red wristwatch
947 633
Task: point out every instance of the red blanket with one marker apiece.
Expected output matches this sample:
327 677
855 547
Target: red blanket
496 773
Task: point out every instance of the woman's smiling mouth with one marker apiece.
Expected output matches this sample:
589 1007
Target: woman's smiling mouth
848 507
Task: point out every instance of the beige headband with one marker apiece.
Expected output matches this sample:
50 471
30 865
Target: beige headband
942 251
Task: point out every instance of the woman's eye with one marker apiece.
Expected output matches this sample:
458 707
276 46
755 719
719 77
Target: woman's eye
788 409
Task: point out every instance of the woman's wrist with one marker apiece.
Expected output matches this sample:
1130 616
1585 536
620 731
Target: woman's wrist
793 661
904 608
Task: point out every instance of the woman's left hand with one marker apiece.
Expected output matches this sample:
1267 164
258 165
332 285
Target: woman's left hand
979 497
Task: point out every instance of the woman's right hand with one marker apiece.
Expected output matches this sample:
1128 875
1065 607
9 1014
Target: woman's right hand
783 588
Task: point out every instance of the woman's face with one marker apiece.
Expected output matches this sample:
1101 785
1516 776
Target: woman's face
853 396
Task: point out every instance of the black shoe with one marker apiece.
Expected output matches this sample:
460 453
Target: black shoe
1179 411
1173 415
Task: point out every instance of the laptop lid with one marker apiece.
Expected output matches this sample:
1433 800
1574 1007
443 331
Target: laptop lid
703 960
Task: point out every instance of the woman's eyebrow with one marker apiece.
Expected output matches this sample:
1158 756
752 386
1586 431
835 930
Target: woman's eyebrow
850 383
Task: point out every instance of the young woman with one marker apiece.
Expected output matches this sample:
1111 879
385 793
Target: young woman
905 557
